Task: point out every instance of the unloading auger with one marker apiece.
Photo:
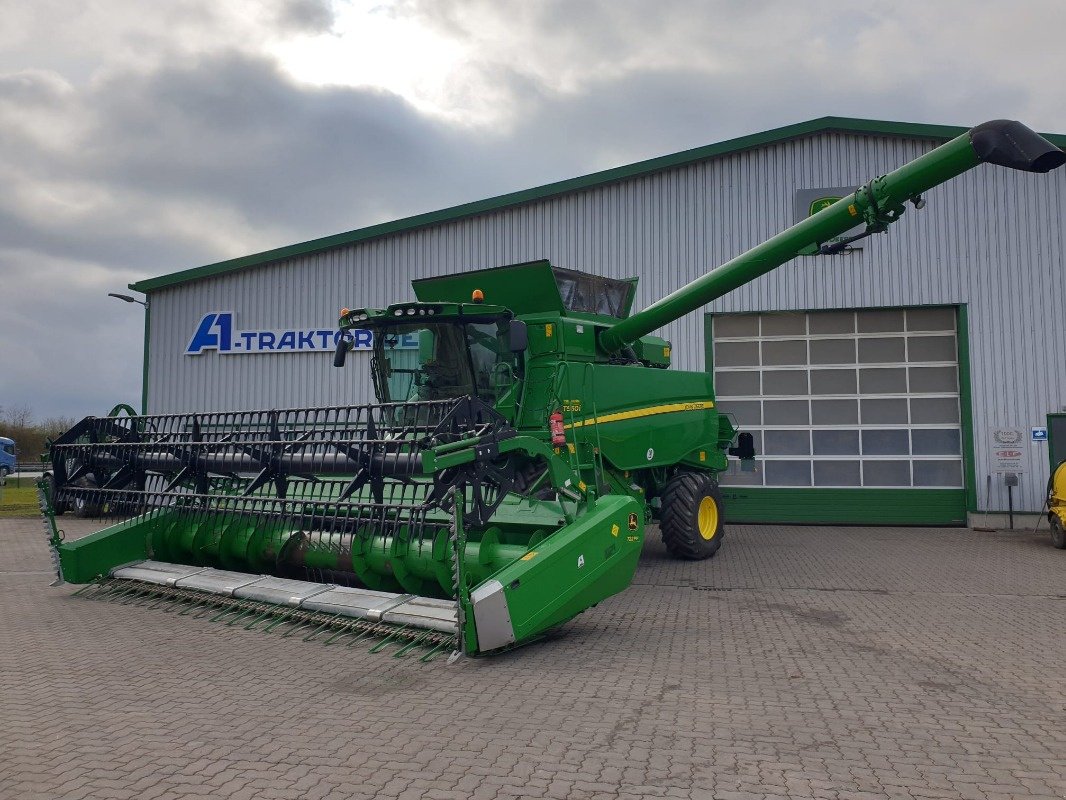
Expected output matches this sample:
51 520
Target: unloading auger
499 487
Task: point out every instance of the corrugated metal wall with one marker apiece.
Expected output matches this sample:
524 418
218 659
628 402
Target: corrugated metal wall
992 239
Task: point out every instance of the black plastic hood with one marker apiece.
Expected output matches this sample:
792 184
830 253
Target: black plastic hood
1010 144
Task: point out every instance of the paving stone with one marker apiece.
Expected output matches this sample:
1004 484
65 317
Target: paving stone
800 662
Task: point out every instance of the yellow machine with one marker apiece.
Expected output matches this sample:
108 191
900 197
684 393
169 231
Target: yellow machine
1056 505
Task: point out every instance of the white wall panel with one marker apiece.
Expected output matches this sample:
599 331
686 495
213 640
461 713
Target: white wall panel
992 239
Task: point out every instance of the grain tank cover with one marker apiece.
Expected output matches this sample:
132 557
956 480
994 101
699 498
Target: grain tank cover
595 294
534 287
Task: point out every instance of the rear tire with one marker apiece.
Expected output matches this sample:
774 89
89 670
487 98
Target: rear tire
691 522
1058 533
81 505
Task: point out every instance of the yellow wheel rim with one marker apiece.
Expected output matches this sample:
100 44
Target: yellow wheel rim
708 518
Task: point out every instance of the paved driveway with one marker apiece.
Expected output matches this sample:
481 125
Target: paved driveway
801 662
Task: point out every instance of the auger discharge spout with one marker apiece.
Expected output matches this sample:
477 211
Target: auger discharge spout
877 204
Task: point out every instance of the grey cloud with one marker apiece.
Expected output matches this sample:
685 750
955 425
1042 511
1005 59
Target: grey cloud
70 350
306 16
204 154
33 87
234 130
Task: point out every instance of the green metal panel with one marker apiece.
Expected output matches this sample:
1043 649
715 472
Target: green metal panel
654 350
969 467
845 506
1056 428
92 556
576 567
528 288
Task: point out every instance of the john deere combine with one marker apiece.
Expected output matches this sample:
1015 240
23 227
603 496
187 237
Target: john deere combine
527 428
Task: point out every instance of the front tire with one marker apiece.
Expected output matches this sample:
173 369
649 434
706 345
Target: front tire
1058 533
83 503
691 521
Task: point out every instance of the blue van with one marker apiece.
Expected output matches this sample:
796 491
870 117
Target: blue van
7 456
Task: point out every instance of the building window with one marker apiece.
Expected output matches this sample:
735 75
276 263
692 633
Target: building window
843 399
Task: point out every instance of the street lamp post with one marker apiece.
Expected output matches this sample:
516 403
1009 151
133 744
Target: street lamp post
125 298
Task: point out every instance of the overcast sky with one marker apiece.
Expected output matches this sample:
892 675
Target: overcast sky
138 139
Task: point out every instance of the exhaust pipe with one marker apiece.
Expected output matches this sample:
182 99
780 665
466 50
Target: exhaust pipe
1011 144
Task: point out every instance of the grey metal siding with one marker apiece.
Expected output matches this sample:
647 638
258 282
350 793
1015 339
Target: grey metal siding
992 239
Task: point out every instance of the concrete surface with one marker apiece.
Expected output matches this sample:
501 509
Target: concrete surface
801 662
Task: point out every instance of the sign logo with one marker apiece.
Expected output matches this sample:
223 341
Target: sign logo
217 331
808 202
1007 435
1008 452
820 204
1039 434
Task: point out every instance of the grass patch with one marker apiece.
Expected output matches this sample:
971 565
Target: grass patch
19 501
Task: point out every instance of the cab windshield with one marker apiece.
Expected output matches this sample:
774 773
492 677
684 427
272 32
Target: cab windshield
8 448
442 360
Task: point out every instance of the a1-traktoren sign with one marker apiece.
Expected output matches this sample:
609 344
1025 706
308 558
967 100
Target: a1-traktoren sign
217 331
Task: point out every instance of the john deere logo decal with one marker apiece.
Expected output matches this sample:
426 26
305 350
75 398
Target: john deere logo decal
820 204
810 202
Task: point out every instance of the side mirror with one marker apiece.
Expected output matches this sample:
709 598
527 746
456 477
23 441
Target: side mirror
517 336
344 344
745 449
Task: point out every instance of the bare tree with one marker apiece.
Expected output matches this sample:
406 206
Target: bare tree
18 417
17 422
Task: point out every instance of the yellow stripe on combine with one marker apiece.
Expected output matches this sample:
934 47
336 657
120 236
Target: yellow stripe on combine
669 408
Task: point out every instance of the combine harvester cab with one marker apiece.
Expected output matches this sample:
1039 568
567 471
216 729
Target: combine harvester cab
499 487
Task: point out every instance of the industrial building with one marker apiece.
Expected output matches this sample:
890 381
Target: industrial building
910 379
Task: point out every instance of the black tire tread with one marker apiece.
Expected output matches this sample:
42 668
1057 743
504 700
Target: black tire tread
681 498
87 510
1058 534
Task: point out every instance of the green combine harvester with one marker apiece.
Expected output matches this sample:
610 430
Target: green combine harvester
527 428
